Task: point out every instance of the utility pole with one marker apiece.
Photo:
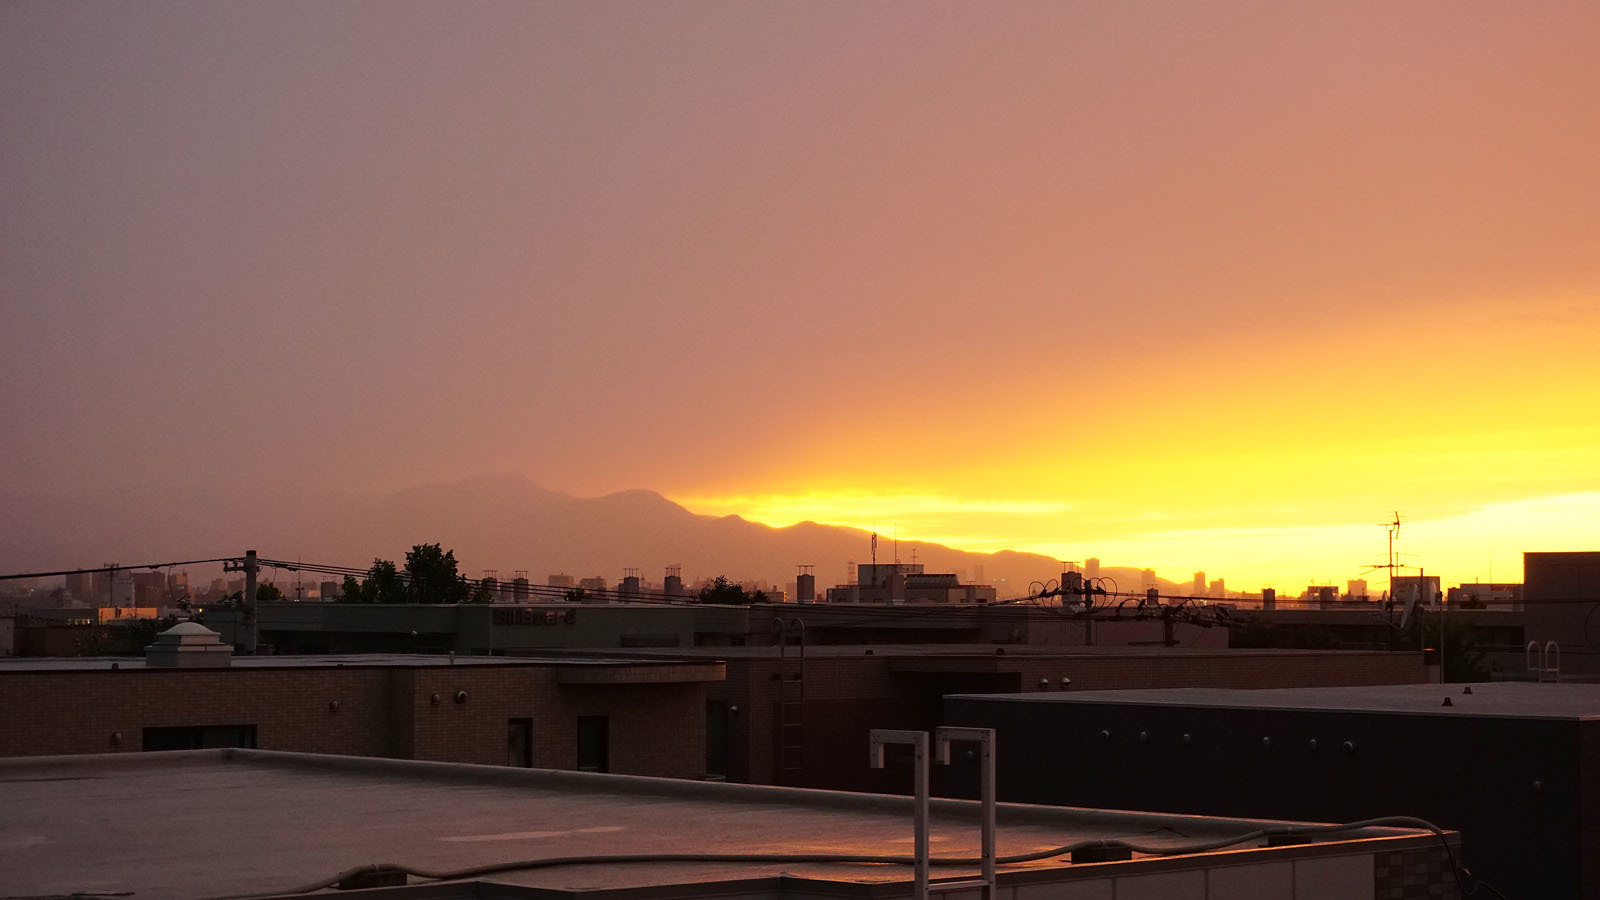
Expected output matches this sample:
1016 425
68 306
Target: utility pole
246 639
1422 577
1072 584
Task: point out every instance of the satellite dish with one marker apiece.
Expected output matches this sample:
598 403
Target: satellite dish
1412 592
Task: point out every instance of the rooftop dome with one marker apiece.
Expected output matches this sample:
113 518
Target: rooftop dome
183 628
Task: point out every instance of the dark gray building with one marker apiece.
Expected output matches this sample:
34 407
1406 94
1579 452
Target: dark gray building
1515 767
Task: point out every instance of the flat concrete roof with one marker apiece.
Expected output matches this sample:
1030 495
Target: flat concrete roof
970 651
228 822
1506 699
330 661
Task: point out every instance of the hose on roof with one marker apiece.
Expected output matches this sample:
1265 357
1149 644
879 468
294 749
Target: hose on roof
761 857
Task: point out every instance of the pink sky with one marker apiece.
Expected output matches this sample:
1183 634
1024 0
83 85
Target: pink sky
1148 272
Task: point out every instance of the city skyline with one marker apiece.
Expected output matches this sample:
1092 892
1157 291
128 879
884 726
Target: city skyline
503 525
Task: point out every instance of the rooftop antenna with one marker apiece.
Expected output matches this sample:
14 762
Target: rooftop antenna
874 548
1393 531
1393 528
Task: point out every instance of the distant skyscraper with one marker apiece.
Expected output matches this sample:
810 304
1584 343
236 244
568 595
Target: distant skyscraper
1199 584
80 586
1091 568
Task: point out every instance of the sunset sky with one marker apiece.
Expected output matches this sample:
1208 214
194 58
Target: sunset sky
1178 285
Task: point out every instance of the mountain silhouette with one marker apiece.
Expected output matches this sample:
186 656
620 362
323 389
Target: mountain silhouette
504 523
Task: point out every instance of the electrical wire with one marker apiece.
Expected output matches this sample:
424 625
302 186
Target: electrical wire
168 565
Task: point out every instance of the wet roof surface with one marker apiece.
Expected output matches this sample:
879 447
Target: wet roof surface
1495 699
209 823
351 660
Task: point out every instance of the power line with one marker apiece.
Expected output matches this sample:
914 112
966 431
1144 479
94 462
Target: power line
164 565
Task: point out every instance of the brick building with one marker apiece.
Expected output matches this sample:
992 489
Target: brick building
783 717
761 715
625 716
504 628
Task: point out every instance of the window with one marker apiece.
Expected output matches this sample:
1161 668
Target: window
594 744
717 738
519 743
199 737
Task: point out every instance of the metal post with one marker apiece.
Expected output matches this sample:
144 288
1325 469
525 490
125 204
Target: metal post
251 627
985 738
918 740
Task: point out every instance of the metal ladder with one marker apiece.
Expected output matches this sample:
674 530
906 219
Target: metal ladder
790 723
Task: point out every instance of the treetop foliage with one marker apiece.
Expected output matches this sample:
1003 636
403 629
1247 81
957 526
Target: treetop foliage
431 575
721 590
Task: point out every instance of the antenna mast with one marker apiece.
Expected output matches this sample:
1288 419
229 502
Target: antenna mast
1393 528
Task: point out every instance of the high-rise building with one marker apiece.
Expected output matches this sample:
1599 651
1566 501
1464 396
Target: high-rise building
80 585
1199 584
1424 589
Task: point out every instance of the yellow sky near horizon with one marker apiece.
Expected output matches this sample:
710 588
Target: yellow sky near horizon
1274 471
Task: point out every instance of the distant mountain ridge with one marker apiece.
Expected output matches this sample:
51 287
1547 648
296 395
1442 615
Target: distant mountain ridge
505 523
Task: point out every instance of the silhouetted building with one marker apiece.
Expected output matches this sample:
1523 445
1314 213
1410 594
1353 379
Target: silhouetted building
1509 765
1423 588
1478 595
908 583
80 586
1561 596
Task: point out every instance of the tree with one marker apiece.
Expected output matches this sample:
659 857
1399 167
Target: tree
268 593
434 576
382 585
431 575
1463 658
723 591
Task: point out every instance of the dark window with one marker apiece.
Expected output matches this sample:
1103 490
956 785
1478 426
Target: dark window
594 744
519 742
717 738
199 737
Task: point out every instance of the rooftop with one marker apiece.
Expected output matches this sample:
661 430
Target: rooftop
976 651
1509 699
329 661
229 822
